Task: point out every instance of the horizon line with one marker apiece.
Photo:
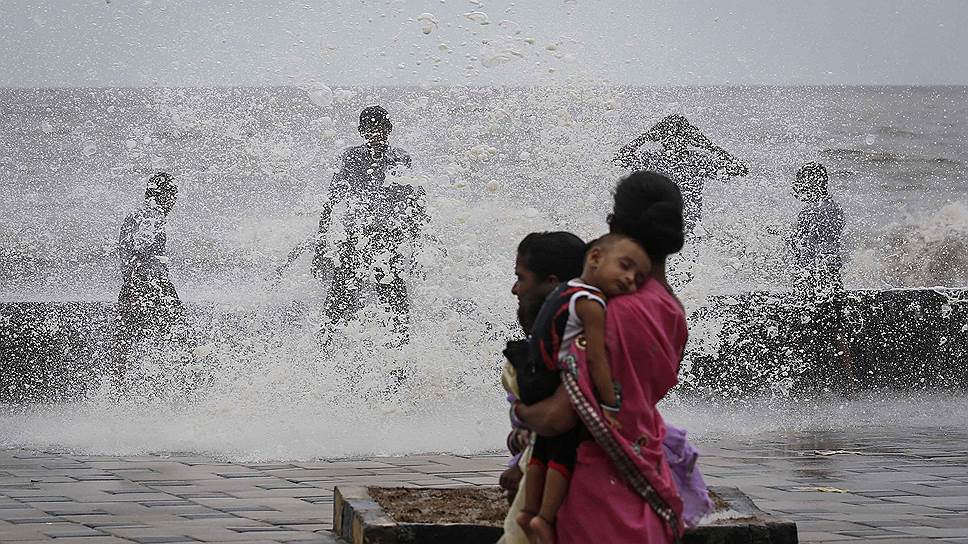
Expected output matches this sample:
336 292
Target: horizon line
499 86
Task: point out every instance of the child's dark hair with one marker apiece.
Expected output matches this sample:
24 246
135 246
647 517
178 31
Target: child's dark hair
560 254
529 305
648 208
606 241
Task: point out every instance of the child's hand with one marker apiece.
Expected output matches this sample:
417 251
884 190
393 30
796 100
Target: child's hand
610 419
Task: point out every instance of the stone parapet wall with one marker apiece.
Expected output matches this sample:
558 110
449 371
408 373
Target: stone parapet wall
739 345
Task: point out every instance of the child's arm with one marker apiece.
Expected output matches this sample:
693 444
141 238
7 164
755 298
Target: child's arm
592 316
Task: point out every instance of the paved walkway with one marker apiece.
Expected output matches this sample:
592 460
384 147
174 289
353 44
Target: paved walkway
886 486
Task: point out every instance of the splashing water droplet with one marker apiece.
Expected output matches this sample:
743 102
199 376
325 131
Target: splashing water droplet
478 17
427 21
321 95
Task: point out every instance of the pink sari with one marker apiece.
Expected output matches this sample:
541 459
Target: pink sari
622 489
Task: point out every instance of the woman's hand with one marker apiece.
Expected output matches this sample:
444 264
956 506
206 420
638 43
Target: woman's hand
510 480
549 417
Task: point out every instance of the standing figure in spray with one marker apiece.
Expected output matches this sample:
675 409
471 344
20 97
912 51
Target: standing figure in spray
148 306
816 245
689 168
380 217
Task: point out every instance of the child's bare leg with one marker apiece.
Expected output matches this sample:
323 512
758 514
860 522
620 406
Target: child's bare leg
555 491
534 485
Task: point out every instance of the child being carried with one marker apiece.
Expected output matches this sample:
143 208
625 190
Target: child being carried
573 313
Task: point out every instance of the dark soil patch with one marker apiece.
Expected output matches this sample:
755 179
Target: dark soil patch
465 505
718 502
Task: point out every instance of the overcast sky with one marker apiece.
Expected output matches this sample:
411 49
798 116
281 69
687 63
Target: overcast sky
684 42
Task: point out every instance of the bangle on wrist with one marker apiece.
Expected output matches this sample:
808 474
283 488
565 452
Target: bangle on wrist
609 408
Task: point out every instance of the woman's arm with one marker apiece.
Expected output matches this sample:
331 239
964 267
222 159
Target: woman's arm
549 417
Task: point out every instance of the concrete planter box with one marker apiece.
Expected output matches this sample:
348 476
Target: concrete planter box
358 519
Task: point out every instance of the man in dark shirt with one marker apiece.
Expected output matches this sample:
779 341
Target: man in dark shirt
816 248
818 231
380 216
689 168
147 304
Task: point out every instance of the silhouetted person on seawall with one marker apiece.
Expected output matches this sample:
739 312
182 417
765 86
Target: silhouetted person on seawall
816 245
689 168
381 217
148 305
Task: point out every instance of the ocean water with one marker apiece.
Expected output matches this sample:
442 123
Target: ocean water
254 164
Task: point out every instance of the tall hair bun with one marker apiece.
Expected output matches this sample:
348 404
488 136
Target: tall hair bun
648 207
661 227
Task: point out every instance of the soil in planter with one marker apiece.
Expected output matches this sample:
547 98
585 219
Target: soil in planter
470 505
466 505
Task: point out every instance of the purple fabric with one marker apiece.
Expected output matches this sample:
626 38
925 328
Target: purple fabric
516 426
682 457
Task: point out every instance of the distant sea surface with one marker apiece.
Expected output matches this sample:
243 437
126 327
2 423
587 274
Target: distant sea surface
254 165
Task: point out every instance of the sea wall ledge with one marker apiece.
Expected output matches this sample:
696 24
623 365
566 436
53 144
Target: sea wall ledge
739 344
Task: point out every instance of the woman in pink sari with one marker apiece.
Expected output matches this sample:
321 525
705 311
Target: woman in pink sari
622 489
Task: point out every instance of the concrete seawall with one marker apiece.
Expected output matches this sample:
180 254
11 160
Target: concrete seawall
739 345
905 338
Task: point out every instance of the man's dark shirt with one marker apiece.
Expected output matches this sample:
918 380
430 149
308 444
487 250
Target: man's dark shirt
141 245
372 202
816 242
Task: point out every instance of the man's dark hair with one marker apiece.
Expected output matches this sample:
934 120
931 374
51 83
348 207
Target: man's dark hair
375 117
161 185
560 254
648 208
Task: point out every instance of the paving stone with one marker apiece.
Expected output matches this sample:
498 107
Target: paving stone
76 531
829 526
318 500
869 534
207 515
949 522
820 536
316 539
162 539
244 508
193 497
35 520
933 532
106 539
267 467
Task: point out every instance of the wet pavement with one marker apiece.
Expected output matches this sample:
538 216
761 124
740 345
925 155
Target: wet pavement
876 485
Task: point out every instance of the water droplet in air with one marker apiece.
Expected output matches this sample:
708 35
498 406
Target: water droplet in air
428 23
321 95
478 17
